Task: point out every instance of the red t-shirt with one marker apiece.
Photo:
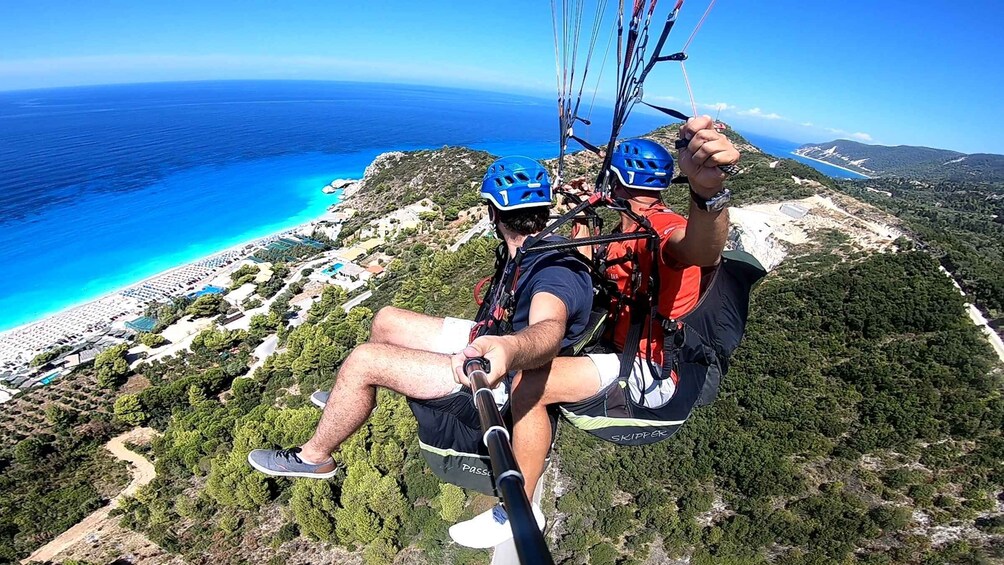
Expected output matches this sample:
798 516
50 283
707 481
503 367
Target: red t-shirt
680 285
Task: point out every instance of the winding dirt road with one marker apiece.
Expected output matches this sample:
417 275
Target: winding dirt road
142 473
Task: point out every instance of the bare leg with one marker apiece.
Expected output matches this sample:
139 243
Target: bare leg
396 326
566 379
418 374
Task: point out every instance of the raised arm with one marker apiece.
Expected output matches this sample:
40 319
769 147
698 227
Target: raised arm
702 241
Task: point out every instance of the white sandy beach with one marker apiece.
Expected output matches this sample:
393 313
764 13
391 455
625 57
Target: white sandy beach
94 316
832 165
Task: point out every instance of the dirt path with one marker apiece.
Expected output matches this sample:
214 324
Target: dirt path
143 472
977 317
995 340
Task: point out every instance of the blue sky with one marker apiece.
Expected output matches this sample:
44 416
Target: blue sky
923 72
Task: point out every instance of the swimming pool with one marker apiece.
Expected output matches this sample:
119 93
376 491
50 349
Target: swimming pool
50 377
330 271
210 289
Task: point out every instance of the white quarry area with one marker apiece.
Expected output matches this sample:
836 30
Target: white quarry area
877 191
770 231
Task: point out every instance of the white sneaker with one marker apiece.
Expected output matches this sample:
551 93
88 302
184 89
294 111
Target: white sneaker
489 529
319 398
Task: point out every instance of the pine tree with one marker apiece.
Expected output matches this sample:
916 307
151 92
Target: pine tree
451 502
314 508
196 395
111 366
355 523
128 410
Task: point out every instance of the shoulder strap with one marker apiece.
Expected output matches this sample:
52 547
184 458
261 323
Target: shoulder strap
644 306
491 318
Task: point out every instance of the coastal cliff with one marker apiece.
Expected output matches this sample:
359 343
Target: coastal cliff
446 177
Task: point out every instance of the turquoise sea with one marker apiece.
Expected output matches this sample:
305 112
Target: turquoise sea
785 149
105 186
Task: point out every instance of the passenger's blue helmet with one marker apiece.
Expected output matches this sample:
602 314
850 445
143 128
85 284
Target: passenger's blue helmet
516 182
642 163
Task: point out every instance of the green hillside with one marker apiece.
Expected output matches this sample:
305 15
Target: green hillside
860 423
907 161
961 223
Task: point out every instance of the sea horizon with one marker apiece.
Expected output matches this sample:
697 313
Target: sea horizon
108 186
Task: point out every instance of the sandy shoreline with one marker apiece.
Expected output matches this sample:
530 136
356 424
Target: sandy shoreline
118 291
832 165
151 278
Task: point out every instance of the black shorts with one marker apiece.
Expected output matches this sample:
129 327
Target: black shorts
450 437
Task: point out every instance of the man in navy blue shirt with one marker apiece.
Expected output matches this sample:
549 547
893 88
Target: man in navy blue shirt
420 356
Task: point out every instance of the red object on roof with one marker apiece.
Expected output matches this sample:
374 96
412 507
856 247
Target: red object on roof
375 269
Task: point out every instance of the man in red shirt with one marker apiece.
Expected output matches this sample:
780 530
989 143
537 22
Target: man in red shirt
642 168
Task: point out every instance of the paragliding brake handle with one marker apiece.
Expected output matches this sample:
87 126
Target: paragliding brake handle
730 170
673 57
529 540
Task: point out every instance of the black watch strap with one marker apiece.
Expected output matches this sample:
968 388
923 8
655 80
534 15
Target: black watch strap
700 201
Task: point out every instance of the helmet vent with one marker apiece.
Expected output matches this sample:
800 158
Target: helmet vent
522 177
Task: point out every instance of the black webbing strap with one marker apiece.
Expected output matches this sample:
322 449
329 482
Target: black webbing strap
639 312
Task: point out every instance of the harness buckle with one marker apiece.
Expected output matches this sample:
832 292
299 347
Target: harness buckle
668 325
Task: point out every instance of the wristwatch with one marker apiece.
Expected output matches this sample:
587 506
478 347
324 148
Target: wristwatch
717 202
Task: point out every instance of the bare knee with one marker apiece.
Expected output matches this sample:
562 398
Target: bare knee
565 379
355 368
383 323
529 390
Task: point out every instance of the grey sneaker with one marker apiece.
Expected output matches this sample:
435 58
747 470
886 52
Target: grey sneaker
287 463
320 398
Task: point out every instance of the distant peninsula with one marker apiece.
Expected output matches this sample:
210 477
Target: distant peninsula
906 161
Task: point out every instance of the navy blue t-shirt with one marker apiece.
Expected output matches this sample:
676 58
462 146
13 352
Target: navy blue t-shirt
564 276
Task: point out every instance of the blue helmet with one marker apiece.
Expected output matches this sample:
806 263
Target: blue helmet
516 182
642 163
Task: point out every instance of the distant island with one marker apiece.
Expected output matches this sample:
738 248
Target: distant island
906 161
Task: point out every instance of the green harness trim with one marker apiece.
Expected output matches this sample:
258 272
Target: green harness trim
600 422
449 452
